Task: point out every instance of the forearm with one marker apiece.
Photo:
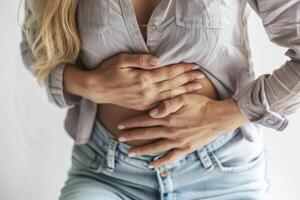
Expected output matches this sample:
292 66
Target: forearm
271 94
282 88
267 99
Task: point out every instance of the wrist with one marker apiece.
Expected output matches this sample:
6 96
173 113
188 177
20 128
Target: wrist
75 80
236 112
92 87
228 111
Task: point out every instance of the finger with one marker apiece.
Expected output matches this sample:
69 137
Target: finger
149 133
179 80
156 147
143 61
171 71
140 121
167 107
187 88
169 158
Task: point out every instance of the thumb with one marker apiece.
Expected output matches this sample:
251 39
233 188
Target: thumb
167 107
142 61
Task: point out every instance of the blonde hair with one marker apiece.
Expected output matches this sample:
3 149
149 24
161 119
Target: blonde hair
51 33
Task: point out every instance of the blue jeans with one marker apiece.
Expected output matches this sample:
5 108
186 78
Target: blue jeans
229 168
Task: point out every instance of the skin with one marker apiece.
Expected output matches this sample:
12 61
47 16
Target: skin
172 108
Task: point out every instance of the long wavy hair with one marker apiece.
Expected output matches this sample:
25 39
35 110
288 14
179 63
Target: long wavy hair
51 33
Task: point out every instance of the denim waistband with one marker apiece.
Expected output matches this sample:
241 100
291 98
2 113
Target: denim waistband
109 143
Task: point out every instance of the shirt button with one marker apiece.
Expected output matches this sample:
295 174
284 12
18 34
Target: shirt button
271 121
154 27
164 173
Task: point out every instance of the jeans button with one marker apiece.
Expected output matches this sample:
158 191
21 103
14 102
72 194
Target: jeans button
164 173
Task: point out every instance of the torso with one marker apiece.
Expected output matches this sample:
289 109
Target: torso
110 115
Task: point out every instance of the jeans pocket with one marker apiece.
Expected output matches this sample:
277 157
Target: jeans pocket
84 156
228 167
239 155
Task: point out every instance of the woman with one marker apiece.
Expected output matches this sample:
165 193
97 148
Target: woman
161 96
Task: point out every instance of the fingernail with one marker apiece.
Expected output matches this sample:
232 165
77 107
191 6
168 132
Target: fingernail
195 67
132 154
121 126
122 139
198 87
150 166
154 112
154 61
200 76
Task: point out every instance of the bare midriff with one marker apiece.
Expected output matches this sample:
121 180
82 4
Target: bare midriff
111 115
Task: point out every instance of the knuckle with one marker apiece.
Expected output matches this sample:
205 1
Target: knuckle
140 151
192 75
170 72
168 94
173 132
185 66
176 134
172 83
143 131
140 107
166 105
147 94
189 146
156 147
181 142
168 120
144 105
172 156
189 88
142 59
144 80
172 93
182 98
189 76
165 143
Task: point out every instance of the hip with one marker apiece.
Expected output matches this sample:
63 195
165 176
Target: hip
231 167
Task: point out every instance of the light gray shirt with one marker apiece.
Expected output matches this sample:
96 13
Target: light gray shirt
210 33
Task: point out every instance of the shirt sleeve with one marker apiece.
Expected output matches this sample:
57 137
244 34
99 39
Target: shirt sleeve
54 81
270 97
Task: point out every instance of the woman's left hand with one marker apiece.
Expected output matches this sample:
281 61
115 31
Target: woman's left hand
181 125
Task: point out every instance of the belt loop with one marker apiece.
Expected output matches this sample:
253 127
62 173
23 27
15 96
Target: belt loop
97 164
206 160
110 155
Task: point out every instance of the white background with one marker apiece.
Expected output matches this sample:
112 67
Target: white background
35 149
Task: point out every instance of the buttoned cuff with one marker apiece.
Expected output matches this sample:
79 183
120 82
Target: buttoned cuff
55 91
261 115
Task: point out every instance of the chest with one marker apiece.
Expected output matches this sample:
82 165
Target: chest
177 30
143 10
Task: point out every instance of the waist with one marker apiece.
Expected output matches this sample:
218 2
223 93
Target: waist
111 115
102 138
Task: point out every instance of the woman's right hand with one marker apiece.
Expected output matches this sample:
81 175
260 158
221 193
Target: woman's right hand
136 81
